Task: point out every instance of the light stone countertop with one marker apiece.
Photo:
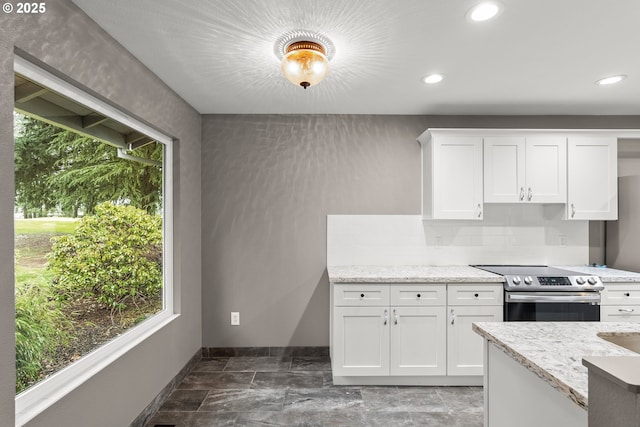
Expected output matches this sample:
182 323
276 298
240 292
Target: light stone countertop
554 350
452 274
410 274
607 275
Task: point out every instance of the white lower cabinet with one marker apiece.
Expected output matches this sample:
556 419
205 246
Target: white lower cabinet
361 341
468 303
405 339
620 303
410 332
622 313
465 347
418 341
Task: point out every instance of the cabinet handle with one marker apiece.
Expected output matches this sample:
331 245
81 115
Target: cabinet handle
386 316
626 310
521 193
479 211
530 194
476 295
395 317
627 294
419 295
453 317
361 295
573 210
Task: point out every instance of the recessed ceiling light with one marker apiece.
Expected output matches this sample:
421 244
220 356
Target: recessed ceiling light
433 78
611 80
484 11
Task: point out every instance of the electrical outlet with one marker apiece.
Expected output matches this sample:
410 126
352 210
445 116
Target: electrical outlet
235 318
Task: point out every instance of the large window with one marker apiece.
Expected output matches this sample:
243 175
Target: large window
93 235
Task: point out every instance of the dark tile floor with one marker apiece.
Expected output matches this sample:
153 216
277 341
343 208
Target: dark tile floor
298 391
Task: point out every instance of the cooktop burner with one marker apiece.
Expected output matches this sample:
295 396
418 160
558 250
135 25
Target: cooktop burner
528 278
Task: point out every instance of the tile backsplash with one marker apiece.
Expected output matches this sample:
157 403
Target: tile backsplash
509 234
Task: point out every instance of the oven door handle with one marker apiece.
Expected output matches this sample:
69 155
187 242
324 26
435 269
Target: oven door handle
554 298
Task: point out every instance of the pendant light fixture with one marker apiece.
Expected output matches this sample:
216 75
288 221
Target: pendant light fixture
305 57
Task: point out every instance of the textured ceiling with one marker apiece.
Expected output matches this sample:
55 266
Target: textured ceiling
537 57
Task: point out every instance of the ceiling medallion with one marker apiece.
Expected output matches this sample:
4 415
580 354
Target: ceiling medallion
305 56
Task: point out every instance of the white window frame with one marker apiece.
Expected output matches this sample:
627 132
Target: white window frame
36 399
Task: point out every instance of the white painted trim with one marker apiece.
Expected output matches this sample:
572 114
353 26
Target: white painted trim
45 78
36 399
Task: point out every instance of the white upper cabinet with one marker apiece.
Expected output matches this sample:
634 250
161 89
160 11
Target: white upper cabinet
451 176
592 178
531 169
464 168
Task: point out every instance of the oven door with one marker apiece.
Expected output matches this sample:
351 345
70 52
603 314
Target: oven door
552 307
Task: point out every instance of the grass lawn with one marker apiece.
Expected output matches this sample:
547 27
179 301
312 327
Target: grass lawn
33 243
45 226
35 276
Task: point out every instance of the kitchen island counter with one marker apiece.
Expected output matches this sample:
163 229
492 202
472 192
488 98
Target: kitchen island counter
410 274
553 351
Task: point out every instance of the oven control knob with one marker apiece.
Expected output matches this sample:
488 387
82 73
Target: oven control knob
516 280
592 281
528 280
580 280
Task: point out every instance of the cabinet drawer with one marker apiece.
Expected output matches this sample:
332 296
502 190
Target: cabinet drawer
621 295
360 295
475 294
619 313
418 295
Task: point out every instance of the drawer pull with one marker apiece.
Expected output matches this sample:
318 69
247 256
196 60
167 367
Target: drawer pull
453 317
395 317
419 295
361 295
626 310
627 294
386 316
476 295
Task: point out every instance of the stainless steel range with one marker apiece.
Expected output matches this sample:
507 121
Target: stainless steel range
542 293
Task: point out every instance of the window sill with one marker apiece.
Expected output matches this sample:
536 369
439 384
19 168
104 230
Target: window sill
41 396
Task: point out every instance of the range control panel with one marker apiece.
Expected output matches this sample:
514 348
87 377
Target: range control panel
553 283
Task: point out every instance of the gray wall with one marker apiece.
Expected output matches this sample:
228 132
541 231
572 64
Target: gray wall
68 41
268 183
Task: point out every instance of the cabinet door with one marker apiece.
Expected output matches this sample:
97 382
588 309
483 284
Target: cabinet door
418 341
457 177
592 185
361 341
504 169
546 169
465 349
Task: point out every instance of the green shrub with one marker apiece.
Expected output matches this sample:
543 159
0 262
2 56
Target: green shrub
40 328
114 255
